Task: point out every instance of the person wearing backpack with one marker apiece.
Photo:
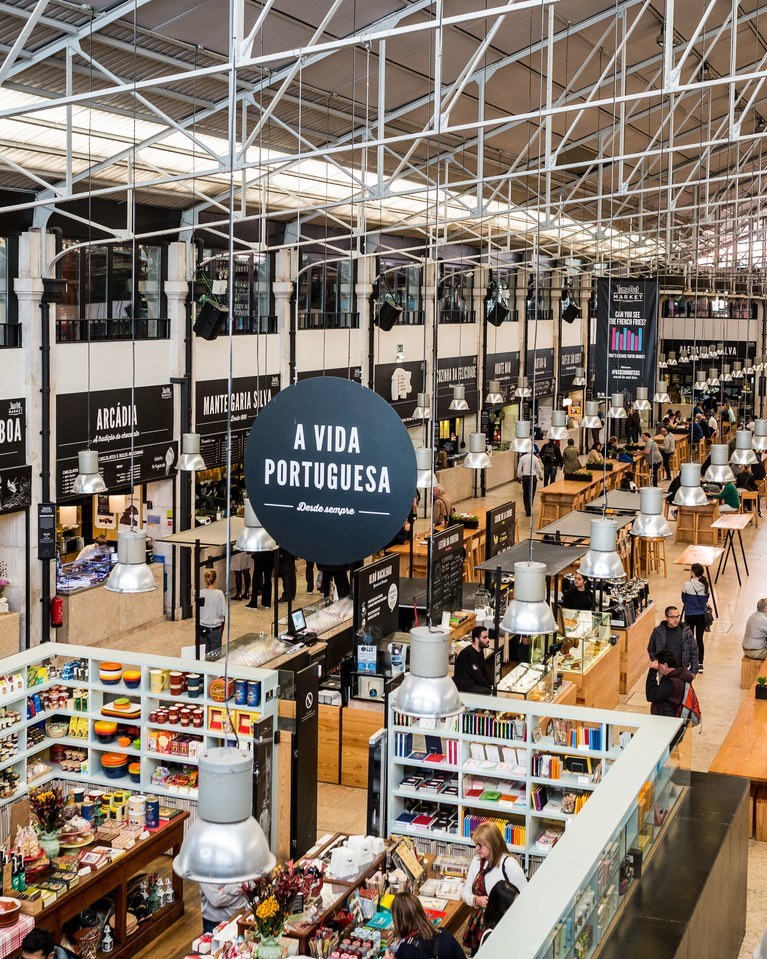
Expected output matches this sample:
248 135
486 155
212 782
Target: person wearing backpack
666 684
695 604
551 460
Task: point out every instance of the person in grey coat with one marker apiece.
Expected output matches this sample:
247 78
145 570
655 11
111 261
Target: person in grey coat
677 638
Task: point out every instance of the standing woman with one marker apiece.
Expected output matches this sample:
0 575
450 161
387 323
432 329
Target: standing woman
695 603
212 612
491 864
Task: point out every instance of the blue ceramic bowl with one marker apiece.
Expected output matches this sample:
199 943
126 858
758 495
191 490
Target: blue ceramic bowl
114 772
108 738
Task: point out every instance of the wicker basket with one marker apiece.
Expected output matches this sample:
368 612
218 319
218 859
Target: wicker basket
56 729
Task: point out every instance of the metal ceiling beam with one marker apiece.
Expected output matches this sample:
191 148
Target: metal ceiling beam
22 38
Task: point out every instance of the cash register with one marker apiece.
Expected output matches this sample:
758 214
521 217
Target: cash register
297 631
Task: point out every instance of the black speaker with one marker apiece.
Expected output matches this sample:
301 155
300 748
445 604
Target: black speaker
570 313
498 314
211 319
388 315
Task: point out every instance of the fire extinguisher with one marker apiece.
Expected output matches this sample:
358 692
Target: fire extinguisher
57 612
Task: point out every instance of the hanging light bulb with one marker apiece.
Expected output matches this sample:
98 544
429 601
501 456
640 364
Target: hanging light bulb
253 538
522 443
737 370
458 402
671 361
591 420
477 458
720 471
650 523
642 403
494 396
743 454
425 478
427 690
567 401
713 378
602 561
580 376
224 844
423 407
616 410
89 480
703 353
726 374
191 458
661 392
662 364
130 574
528 613
558 428
690 493
759 439
522 392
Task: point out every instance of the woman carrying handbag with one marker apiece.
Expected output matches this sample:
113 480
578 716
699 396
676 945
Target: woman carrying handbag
695 603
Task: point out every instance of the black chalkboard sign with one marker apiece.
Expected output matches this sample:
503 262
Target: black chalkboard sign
46 531
447 553
500 523
376 595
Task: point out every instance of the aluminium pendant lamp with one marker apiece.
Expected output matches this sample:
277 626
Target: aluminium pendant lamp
522 443
602 560
661 392
225 844
427 690
720 349
743 454
616 410
558 428
726 376
671 360
580 376
191 459
253 538
591 420
424 461
684 356
642 401
423 407
458 403
690 493
494 396
651 523
759 439
713 377
523 391
477 458
737 370
720 470
662 364
131 574
89 480
528 613
701 381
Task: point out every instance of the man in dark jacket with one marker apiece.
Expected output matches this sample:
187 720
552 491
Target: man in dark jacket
472 672
675 637
551 460
665 685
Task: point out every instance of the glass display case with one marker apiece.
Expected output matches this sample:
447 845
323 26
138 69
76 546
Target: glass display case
85 573
537 679
585 638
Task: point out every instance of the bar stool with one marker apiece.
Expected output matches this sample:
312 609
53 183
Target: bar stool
749 496
652 555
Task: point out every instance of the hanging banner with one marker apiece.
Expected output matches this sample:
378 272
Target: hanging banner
15 475
330 470
454 371
624 354
376 595
539 366
400 384
212 406
503 367
343 372
570 357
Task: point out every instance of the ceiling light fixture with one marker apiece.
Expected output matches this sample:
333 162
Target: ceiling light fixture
253 538
458 403
720 470
591 420
423 407
477 458
651 523
642 403
616 410
558 428
522 392
494 396
191 459
426 689
130 574
690 493
89 480
580 376
522 443
424 461
743 454
528 613
602 560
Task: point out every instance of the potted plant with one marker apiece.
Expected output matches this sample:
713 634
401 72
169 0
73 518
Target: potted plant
47 804
275 897
761 687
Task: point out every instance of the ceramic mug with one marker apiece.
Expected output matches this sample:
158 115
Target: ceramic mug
158 680
194 685
176 681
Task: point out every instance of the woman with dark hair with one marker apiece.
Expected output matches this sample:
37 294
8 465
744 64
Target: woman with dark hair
579 596
419 939
695 602
501 898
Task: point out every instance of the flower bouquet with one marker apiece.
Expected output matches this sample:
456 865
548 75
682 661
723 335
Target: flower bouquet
3 583
47 805
281 894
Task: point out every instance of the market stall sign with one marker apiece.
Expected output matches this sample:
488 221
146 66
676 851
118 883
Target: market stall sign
15 475
330 470
500 525
213 405
46 531
503 367
376 595
570 357
400 384
454 371
447 553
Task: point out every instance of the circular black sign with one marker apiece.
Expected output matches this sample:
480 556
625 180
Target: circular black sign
330 470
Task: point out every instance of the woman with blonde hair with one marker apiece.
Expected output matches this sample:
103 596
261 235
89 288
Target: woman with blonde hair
491 864
419 939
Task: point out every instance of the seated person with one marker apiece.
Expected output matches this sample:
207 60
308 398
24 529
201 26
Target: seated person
757 468
93 550
39 944
755 637
472 672
627 482
579 596
729 498
595 457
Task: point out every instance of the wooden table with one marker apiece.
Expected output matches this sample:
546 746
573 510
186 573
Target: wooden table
706 556
693 524
560 498
732 523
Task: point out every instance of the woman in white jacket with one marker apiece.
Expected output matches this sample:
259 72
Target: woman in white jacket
490 865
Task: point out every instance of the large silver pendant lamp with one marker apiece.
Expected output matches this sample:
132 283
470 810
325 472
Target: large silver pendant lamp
737 370
720 349
522 443
558 428
523 391
423 407
224 844
130 574
684 356
427 690
616 410
726 376
191 457
671 361
89 479
650 523
424 460
458 403
713 378
661 392
477 458
580 376
494 396
642 401
253 538
662 364
743 454
690 493
528 614
700 381
591 420
602 560
759 439
720 471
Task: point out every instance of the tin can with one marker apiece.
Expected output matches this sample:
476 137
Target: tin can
254 692
152 812
240 692
88 810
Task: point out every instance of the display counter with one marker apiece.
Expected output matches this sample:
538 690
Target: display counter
592 663
633 641
10 633
115 613
458 481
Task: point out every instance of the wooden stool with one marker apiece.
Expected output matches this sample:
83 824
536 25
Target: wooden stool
747 496
652 554
701 450
549 514
750 669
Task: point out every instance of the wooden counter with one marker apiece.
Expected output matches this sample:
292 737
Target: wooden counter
421 553
10 634
560 498
693 524
328 739
359 724
599 686
633 646
458 481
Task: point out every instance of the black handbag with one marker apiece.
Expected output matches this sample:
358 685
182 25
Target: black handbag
709 618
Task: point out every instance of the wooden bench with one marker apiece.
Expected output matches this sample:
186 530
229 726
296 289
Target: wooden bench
750 669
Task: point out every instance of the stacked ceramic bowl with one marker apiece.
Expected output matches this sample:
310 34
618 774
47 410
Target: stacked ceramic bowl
115 765
105 731
110 674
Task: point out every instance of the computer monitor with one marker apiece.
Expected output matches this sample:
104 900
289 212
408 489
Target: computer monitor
297 622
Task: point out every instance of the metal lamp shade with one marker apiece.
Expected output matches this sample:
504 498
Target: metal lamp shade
720 349
743 454
427 690
528 614
662 364
591 420
759 439
558 428
720 471
225 844
477 458
580 376
642 402
661 392
522 391
423 409
602 560
690 493
616 410
522 443
424 460
671 361
253 538
684 357
458 403
650 523
131 574
494 396
191 458
713 378
88 480
700 380
726 376
737 370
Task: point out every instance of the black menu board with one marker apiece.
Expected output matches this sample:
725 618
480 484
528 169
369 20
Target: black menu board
376 595
447 554
46 531
500 523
